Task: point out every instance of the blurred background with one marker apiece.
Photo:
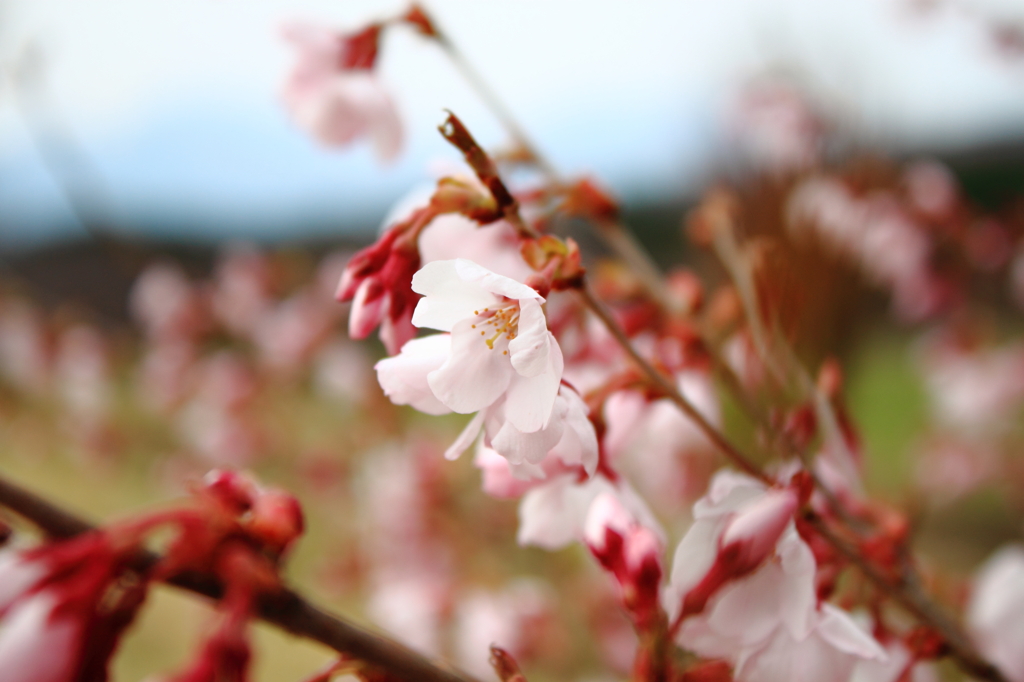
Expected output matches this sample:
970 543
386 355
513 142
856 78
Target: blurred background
170 242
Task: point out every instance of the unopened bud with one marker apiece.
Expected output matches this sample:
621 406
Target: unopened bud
755 530
276 520
505 665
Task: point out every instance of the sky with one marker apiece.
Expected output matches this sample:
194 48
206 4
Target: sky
176 103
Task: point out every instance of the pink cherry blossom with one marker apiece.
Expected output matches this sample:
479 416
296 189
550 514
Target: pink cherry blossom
829 653
995 613
510 619
767 621
662 449
780 593
336 102
631 552
554 513
377 281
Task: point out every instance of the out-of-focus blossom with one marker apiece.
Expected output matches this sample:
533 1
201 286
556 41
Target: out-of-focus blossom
777 128
411 605
666 453
83 372
893 667
411 588
974 391
167 305
877 234
948 468
216 421
830 652
289 334
554 513
630 552
515 619
342 370
333 93
241 289
164 374
931 187
24 353
995 613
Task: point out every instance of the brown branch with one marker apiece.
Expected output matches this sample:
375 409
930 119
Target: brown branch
286 609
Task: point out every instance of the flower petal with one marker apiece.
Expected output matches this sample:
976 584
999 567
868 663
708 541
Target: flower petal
404 376
447 297
530 400
530 348
473 376
466 436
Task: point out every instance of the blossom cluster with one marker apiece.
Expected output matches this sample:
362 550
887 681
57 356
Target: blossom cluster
684 449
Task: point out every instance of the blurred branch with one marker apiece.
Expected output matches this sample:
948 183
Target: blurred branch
286 609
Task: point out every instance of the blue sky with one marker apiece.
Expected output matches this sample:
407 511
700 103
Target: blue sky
177 102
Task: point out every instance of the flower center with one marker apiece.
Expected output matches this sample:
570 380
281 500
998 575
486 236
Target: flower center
495 323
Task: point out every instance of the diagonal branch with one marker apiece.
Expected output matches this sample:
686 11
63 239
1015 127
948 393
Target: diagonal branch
286 609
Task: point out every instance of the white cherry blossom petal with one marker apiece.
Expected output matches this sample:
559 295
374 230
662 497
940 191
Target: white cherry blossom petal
473 375
530 400
447 298
840 630
466 437
404 376
532 344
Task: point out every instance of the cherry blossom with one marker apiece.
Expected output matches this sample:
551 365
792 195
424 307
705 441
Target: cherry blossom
554 512
995 613
333 93
630 551
498 359
377 281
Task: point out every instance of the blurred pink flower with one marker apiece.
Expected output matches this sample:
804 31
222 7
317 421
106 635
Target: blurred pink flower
830 652
24 350
333 93
167 305
510 619
631 552
554 513
995 612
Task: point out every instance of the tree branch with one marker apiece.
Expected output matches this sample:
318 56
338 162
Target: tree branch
286 609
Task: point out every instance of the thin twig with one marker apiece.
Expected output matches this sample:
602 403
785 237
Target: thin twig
908 593
669 389
286 609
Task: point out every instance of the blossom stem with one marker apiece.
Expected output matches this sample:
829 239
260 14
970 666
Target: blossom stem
907 592
669 390
285 608
617 236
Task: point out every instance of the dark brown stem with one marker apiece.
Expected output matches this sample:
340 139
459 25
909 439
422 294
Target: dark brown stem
286 609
